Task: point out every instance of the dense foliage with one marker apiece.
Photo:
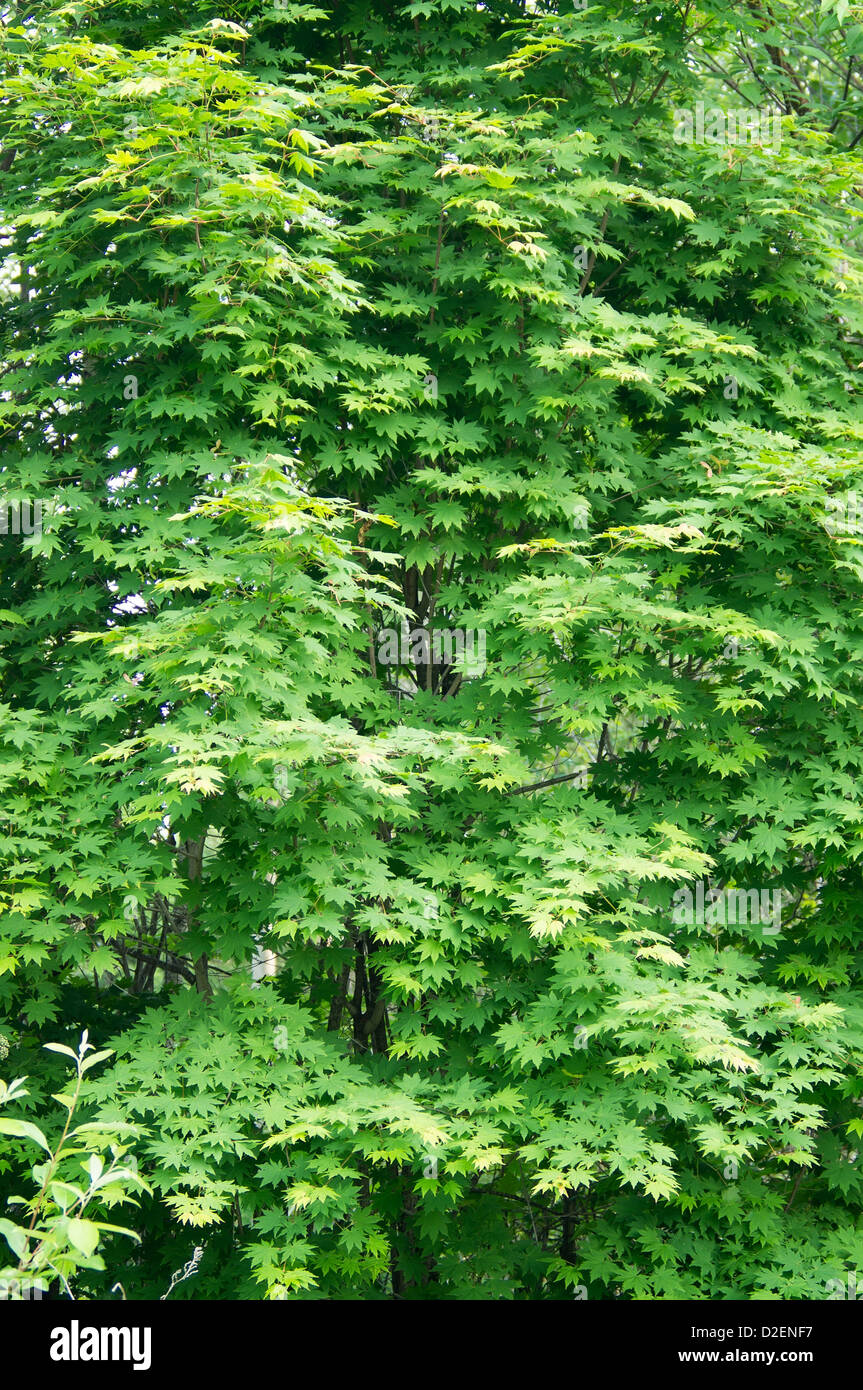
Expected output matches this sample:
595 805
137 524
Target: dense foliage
334 332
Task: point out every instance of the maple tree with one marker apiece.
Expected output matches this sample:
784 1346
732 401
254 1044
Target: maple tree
323 322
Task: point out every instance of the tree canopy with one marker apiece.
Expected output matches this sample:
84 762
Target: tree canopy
432 729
